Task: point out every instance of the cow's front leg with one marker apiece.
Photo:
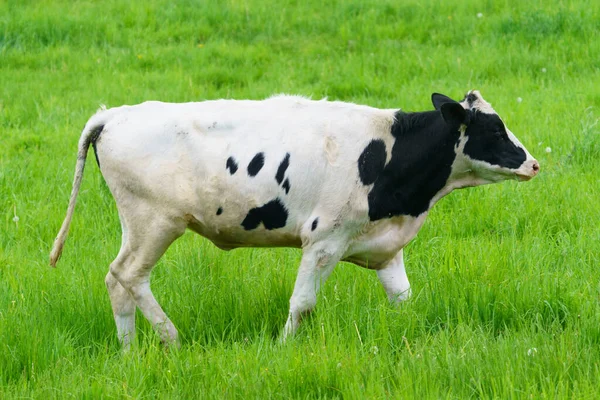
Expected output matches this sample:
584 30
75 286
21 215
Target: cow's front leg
394 280
317 263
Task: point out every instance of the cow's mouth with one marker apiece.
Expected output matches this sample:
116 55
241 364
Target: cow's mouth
523 177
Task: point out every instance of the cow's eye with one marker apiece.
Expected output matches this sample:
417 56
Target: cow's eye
498 135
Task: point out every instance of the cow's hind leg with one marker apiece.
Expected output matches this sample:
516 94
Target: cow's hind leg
123 307
121 301
148 237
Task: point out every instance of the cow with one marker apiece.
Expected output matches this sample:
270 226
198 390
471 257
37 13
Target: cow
340 181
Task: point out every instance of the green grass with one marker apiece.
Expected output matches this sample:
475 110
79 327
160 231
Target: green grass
505 278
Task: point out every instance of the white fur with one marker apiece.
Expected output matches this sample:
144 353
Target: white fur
394 280
480 104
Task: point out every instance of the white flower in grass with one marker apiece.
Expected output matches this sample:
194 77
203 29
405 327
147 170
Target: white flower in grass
548 149
479 15
375 350
532 352
519 99
544 70
16 217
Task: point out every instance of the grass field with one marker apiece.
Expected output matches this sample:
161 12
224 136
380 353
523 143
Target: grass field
505 278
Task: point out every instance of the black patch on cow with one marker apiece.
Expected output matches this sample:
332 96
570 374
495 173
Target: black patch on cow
315 223
273 215
371 161
256 164
219 211
470 98
283 166
438 100
420 164
231 165
286 185
488 141
94 136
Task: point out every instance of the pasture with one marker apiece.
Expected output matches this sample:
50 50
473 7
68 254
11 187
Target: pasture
505 278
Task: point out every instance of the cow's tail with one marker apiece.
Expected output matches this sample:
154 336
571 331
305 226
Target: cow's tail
90 134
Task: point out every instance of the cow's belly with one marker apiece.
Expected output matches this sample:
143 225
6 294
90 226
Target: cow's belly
232 237
383 240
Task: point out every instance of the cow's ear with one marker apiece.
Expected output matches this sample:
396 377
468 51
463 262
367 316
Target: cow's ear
454 114
439 100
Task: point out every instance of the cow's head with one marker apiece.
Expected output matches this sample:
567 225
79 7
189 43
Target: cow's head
486 147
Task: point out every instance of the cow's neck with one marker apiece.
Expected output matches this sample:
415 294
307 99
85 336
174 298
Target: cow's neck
420 166
461 175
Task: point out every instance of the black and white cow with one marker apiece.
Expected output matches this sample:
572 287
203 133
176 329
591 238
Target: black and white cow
339 180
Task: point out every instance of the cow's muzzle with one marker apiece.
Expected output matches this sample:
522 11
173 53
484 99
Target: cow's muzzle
528 170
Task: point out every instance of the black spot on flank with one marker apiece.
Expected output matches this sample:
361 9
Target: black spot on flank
371 162
219 211
283 166
256 164
231 165
272 215
314 224
286 185
94 136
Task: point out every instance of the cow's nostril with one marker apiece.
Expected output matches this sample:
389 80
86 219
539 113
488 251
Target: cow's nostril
536 166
